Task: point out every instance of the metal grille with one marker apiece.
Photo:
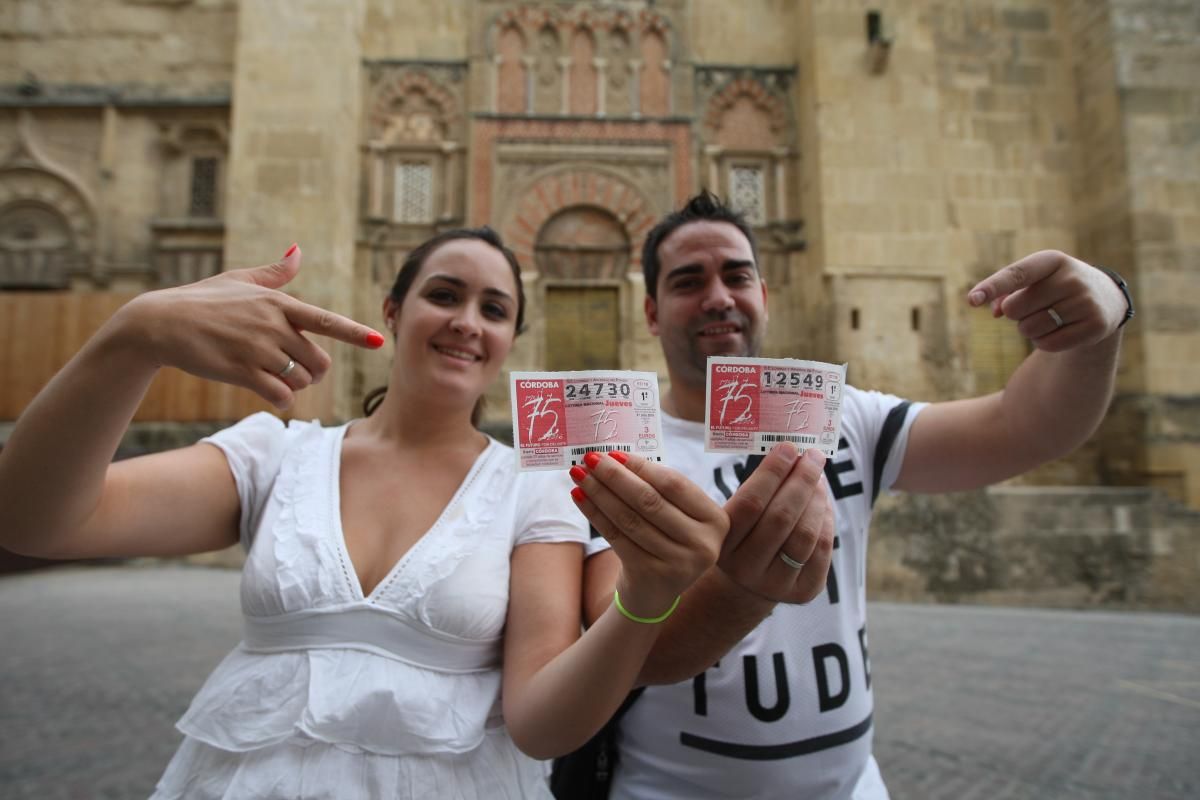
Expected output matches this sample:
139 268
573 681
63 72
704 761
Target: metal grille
412 199
204 188
747 193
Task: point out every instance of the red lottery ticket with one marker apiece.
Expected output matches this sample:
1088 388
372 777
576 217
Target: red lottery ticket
753 403
559 416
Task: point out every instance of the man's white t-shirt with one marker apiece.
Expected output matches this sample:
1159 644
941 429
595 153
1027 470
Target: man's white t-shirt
787 713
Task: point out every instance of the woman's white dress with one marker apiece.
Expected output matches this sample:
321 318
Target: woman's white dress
391 695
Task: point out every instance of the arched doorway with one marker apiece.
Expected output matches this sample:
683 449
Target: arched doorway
582 253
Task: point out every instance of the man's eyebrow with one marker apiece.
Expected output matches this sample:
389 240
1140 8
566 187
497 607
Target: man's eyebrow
685 269
696 269
737 263
460 283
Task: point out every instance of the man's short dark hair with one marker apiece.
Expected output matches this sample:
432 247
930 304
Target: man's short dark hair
704 207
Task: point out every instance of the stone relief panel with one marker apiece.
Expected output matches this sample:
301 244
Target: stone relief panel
414 102
580 59
749 135
745 108
196 154
415 125
619 66
188 234
547 73
47 219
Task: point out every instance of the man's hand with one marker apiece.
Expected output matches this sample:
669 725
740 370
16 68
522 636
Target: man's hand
1058 301
782 515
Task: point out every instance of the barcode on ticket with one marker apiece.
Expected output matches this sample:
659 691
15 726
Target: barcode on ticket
781 437
600 448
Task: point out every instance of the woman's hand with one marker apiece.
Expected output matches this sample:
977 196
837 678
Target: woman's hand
665 529
239 328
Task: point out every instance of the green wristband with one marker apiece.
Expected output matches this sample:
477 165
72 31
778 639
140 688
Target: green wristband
644 620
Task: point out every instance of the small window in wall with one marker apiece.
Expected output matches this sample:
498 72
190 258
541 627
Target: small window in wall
204 188
412 198
854 319
747 193
916 319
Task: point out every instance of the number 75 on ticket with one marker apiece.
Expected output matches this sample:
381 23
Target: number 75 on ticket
753 403
559 416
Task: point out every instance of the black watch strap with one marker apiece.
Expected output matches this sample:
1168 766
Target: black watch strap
1124 287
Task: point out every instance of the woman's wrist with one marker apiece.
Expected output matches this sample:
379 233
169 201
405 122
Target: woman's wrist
644 620
638 600
131 334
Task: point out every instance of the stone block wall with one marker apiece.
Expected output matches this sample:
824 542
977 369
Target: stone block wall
156 48
1070 547
1156 59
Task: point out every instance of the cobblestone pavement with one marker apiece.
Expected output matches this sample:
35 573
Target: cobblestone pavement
98 662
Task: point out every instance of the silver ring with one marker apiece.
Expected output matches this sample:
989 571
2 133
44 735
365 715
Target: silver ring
791 562
283 373
1058 321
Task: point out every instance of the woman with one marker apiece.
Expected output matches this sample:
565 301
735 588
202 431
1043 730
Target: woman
400 571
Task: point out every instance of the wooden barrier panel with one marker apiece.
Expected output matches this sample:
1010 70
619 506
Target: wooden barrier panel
40 331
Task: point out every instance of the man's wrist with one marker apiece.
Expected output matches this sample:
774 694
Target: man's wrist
1124 287
744 598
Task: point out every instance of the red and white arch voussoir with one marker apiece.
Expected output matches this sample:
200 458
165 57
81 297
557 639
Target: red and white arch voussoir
571 187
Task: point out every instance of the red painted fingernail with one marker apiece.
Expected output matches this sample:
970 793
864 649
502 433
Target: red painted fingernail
578 474
291 250
578 495
374 339
592 459
619 456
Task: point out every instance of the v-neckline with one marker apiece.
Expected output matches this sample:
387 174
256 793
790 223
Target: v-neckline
339 532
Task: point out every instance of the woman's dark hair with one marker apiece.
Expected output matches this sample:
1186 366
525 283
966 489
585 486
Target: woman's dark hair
408 274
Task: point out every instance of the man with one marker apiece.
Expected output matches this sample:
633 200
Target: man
787 712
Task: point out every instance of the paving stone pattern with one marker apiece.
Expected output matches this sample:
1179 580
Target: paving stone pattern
973 703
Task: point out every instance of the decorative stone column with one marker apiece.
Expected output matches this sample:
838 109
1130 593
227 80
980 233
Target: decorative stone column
601 84
564 75
450 159
712 153
529 62
495 99
635 83
779 160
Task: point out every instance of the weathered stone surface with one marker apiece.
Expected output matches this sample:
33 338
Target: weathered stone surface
1063 547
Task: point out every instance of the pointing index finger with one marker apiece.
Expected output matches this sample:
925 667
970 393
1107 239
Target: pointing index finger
1017 275
326 323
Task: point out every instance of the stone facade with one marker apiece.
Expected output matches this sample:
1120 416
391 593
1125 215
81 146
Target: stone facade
889 154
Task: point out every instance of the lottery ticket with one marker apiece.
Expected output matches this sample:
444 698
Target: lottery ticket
751 404
559 416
